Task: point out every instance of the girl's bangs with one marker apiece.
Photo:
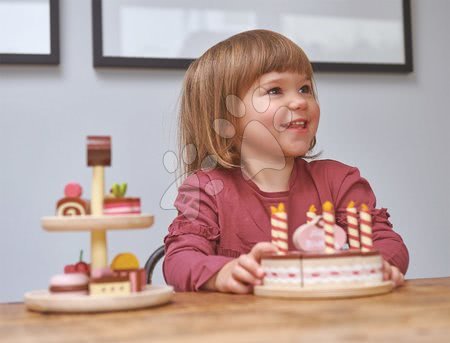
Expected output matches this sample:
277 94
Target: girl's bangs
273 53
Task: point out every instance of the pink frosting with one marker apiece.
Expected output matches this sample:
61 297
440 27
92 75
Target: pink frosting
101 272
72 279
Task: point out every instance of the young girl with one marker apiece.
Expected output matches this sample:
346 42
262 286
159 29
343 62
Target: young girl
249 105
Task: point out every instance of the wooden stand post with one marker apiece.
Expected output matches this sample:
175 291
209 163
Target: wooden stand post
99 257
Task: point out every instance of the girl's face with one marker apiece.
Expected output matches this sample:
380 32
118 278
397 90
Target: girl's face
281 116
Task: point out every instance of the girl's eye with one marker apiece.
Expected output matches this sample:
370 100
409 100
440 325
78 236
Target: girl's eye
306 89
273 91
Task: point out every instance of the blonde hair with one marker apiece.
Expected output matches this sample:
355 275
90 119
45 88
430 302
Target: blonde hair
230 68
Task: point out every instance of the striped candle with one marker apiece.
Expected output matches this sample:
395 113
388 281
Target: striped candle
352 226
328 226
311 214
366 228
278 220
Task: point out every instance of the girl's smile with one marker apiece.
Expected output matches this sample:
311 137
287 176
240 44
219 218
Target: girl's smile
297 125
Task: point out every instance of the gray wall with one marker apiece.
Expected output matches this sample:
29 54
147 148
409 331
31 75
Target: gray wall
393 127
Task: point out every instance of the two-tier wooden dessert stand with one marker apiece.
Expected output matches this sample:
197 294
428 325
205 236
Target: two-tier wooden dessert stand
97 224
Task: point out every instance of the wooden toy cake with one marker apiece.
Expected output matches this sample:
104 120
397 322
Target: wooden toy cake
324 264
98 286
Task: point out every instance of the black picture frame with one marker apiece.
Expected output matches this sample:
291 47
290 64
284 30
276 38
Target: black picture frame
182 63
53 57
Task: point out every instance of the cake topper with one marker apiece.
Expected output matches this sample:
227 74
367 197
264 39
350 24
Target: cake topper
125 261
73 190
79 267
119 190
310 237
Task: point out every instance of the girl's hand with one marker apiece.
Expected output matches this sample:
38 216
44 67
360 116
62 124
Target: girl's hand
392 273
241 274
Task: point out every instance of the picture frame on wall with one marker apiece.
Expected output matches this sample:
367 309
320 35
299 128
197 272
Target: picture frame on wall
337 35
29 32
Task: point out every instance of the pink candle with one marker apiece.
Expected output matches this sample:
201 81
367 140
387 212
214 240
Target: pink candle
278 220
366 228
328 226
352 226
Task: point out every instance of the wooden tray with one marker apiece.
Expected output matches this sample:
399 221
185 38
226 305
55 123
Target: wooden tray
43 301
302 293
90 222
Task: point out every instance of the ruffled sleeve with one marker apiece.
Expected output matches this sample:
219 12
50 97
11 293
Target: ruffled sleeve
356 188
191 243
379 216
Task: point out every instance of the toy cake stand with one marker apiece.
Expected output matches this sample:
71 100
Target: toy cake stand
99 156
43 301
325 293
91 223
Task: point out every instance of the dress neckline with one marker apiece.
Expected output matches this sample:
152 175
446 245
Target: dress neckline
280 194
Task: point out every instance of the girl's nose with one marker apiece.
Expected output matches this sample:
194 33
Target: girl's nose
298 102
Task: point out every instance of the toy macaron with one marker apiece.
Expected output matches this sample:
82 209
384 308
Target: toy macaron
69 284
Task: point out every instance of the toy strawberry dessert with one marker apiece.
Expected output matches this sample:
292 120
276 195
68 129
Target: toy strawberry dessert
117 204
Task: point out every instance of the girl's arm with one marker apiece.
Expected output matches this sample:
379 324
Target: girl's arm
191 263
190 245
190 259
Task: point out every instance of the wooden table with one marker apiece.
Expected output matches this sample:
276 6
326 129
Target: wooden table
418 311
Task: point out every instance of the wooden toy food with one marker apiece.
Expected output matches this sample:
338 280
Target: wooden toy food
69 284
97 287
72 204
79 267
116 203
320 266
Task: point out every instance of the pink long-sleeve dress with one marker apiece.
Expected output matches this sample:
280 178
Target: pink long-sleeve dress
222 215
